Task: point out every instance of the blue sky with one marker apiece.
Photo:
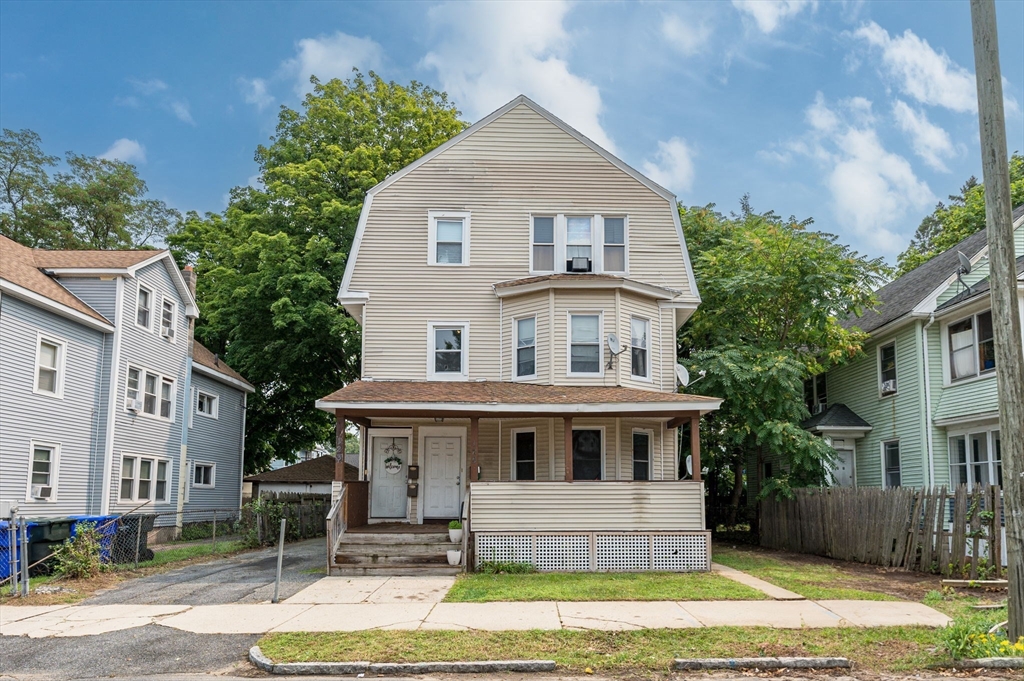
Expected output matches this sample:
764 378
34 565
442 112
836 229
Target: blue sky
860 115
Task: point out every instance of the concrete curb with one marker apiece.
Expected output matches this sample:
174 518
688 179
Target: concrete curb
989 663
761 663
262 662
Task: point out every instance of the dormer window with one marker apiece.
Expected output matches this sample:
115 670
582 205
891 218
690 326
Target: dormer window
579 244
448 238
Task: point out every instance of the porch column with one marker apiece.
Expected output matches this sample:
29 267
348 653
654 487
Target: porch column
695 445
567 420
339 446
474 449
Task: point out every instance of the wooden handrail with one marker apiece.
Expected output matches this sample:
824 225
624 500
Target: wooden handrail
465 530
337 523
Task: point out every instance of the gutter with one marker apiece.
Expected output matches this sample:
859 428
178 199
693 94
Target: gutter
928 400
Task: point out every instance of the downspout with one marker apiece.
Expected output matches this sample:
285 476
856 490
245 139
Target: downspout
114 391
241 449
186 422
928 400
501 342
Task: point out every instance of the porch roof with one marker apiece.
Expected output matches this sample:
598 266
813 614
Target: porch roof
505 400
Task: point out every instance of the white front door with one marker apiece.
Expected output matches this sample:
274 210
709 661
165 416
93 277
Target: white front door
443 480
389 477
843 473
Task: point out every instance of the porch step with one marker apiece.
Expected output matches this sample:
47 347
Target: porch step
395 538
387 550
394 553
394 570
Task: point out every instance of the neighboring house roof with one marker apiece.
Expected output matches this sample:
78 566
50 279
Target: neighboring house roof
93 259
318 470
20 267
504 396
202 359
980 288
899 297
837 416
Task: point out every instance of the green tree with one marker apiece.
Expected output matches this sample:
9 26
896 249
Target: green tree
950 224
24 183
774 294
269 268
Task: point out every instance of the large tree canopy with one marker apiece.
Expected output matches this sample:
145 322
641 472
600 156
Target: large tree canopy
269 268
94 203
774 293
950 224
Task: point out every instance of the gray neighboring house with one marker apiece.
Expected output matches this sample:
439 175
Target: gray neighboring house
98 386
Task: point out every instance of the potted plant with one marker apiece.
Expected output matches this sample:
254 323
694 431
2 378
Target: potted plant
455 556
455 531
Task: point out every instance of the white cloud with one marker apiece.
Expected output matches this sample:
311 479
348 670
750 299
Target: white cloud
255 92
919 71
148 87
124 149
687 35
180 110
331 56
490 52
873 190
769 14
672 166
929 141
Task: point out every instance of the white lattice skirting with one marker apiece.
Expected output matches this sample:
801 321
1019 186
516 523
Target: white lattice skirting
598 551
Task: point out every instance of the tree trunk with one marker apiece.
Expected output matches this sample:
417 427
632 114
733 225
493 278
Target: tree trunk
737 489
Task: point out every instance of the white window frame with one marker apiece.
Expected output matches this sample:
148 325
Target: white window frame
214 413
885 469
196 465
597 243
447 375
432 217
554 242
61 360
600 343
174 318
896 368
512 448
625 244
515 348
595 262
54 448
947 351
160 379
989 432
649 368
136 471
650 452
604 449
152 307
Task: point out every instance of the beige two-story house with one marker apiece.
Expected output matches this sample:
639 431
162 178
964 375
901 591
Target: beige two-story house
519 290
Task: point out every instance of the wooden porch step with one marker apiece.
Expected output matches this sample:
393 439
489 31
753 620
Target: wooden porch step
393 559
394 570
440 538
397 549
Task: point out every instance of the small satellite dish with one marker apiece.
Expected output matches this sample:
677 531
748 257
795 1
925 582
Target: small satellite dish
689 465
682 375
613 344
965 263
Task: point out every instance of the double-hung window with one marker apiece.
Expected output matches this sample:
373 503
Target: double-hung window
204 475
579 244
150 399
524 451
891 463
543 244
168 317
144 479
42 480
975 459
640 333
448 238
144 308
207 404
526 347
166 397
157 393
887 369
448 358
584 344
50 367
614 244
971 346
641 455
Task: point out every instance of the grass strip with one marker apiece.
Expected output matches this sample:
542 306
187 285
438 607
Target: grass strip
601 586
181 553
880 649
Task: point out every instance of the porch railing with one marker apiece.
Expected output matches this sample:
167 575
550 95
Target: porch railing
336 526
465 531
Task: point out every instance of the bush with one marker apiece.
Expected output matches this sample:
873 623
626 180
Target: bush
204 530
79 556
500 567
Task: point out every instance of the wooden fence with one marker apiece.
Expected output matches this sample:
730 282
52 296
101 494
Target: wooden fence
306 515
955 533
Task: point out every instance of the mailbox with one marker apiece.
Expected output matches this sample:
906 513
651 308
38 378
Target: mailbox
414 472
412 489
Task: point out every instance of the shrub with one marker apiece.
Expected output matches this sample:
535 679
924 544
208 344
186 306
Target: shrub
500 567
455 525
970 639
79 556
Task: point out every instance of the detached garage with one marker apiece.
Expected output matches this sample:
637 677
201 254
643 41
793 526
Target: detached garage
308 477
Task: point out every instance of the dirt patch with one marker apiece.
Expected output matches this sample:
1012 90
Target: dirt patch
71 590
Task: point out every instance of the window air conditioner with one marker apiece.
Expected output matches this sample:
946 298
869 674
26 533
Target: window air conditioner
167 332
888 387
133 405
819 407
581 264
42 491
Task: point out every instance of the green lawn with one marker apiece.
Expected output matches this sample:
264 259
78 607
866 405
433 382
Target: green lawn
810 581
650 650
598 586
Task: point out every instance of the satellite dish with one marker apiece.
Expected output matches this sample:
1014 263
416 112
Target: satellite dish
613 344
682 375
965 263
689 465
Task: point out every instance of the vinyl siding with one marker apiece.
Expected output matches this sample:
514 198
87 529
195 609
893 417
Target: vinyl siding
518 165
217 441
98 293
73 422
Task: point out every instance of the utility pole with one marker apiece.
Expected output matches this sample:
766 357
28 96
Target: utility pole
1006 309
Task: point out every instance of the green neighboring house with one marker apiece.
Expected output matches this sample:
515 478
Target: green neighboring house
920 406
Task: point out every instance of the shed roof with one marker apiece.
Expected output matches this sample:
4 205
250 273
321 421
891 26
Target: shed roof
320 469
836 416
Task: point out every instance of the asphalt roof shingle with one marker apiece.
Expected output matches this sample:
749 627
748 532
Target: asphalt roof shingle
202 355
837 416
320 469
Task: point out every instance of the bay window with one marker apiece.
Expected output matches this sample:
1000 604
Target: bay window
526 347
975 459
584 344
640 332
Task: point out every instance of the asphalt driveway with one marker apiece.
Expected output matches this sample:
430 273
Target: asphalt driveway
242 578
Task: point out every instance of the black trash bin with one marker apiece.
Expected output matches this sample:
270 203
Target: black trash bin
44 535
132 534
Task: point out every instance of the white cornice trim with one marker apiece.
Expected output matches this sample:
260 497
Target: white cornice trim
595 409
631 285
223 378
61 309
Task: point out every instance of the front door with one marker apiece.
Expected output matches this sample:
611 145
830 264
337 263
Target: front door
843 474
443 459
390 474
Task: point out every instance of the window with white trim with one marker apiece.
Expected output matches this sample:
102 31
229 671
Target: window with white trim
144 307
144 479
585 344
640 357
204 474
448 238
543 244
168 317
891 463
448 351
971 346
156 393
579 244
887 369
614 244
524 455
641 455
50 367
42 478
975 459
526 347
207 404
